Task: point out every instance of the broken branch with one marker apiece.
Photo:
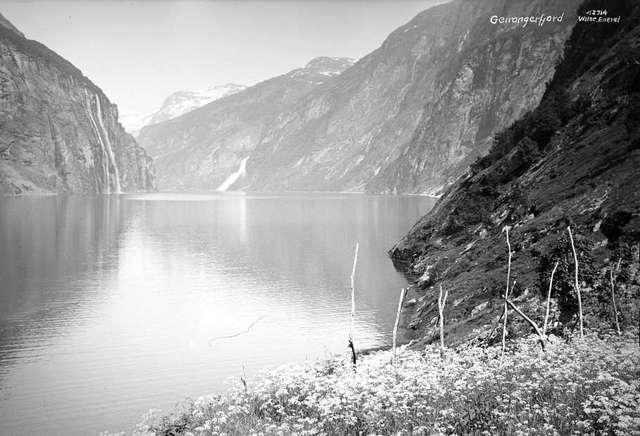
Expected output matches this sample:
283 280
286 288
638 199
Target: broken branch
530 321
239 333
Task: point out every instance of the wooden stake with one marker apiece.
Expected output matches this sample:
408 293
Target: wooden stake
353 304
353 353
506 296
441 302
397 323
577 284
613 299
546 317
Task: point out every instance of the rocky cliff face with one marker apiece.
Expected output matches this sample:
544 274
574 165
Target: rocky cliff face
486 76
201 149
572 162
408 117
58 131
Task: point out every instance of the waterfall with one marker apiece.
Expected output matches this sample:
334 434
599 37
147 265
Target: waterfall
112 157
233 177
105 167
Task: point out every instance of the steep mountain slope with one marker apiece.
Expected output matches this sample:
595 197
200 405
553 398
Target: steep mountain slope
58 131
177 104
203 147
405 118
572 162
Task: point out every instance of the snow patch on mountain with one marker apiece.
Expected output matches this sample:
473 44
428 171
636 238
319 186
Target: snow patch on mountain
178 103
182 102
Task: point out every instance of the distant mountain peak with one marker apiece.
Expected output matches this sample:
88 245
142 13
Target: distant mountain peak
179 103
192 99
329 65
316 68
226 86
322 61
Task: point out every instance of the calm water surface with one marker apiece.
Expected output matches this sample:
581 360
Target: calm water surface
108 304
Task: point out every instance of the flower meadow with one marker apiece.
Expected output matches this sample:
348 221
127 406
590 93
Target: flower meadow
577 386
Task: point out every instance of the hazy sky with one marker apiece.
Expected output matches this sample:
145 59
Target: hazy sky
139 52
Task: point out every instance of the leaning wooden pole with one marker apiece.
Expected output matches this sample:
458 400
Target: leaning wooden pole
577 284
530 321
546 316
397 323
441 302
506 296
353 305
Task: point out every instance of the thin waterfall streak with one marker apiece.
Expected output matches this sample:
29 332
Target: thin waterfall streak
112 157
235 176
105 168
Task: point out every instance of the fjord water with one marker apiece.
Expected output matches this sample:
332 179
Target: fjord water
109 304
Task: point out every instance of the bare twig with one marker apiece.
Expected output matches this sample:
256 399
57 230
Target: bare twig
506 296
217 338
546 317
577 284
613 299
442 299
530 321
397 323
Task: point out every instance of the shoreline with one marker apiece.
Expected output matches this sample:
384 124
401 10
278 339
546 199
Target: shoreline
214 192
